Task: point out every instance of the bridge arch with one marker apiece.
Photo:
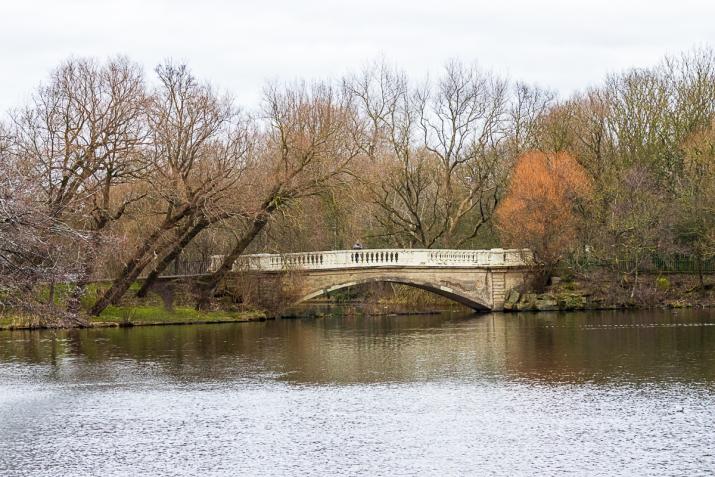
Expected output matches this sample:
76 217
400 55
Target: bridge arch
476 304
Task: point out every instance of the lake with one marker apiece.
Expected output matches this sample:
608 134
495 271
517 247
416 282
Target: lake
597 393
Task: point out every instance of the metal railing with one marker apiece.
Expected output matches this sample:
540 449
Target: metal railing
657 264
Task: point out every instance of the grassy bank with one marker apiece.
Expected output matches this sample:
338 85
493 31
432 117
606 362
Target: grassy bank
137 316
11 320
132 311
570 293
157 315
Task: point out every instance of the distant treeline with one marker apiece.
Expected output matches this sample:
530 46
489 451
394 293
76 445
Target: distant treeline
106 172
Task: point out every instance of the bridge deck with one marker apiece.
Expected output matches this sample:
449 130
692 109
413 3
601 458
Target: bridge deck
374 258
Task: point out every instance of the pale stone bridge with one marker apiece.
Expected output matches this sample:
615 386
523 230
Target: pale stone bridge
478 279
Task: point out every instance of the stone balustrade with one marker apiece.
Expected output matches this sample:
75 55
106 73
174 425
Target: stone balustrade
375 258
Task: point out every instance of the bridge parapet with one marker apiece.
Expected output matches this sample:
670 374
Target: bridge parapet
375 258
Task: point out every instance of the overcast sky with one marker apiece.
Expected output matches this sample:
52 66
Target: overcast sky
238 45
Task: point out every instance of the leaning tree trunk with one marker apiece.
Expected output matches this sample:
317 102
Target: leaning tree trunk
174 253
207 287
140 259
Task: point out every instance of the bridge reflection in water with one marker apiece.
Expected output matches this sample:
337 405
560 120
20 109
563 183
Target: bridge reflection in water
478 279
651 346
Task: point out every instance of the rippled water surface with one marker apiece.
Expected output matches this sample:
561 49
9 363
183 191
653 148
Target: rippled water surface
579 394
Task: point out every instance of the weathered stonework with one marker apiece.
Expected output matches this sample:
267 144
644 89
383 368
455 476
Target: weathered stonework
479 279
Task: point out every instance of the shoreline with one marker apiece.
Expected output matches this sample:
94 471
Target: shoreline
130 324
254 317
131 316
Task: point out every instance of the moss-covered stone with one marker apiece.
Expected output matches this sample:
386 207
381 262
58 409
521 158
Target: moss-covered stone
511 299
571 301
547 304
516 301
525 306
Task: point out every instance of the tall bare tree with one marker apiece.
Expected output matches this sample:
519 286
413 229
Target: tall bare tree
695 222
311 138
79 140
196 153
445 145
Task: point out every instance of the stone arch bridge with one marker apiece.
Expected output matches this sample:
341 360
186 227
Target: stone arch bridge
478 279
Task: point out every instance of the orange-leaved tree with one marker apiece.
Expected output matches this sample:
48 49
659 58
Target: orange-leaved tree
540 209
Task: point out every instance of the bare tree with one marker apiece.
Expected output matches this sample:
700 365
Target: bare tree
310 142
35 248
195 156
527 107
445 147
78 140
695 222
